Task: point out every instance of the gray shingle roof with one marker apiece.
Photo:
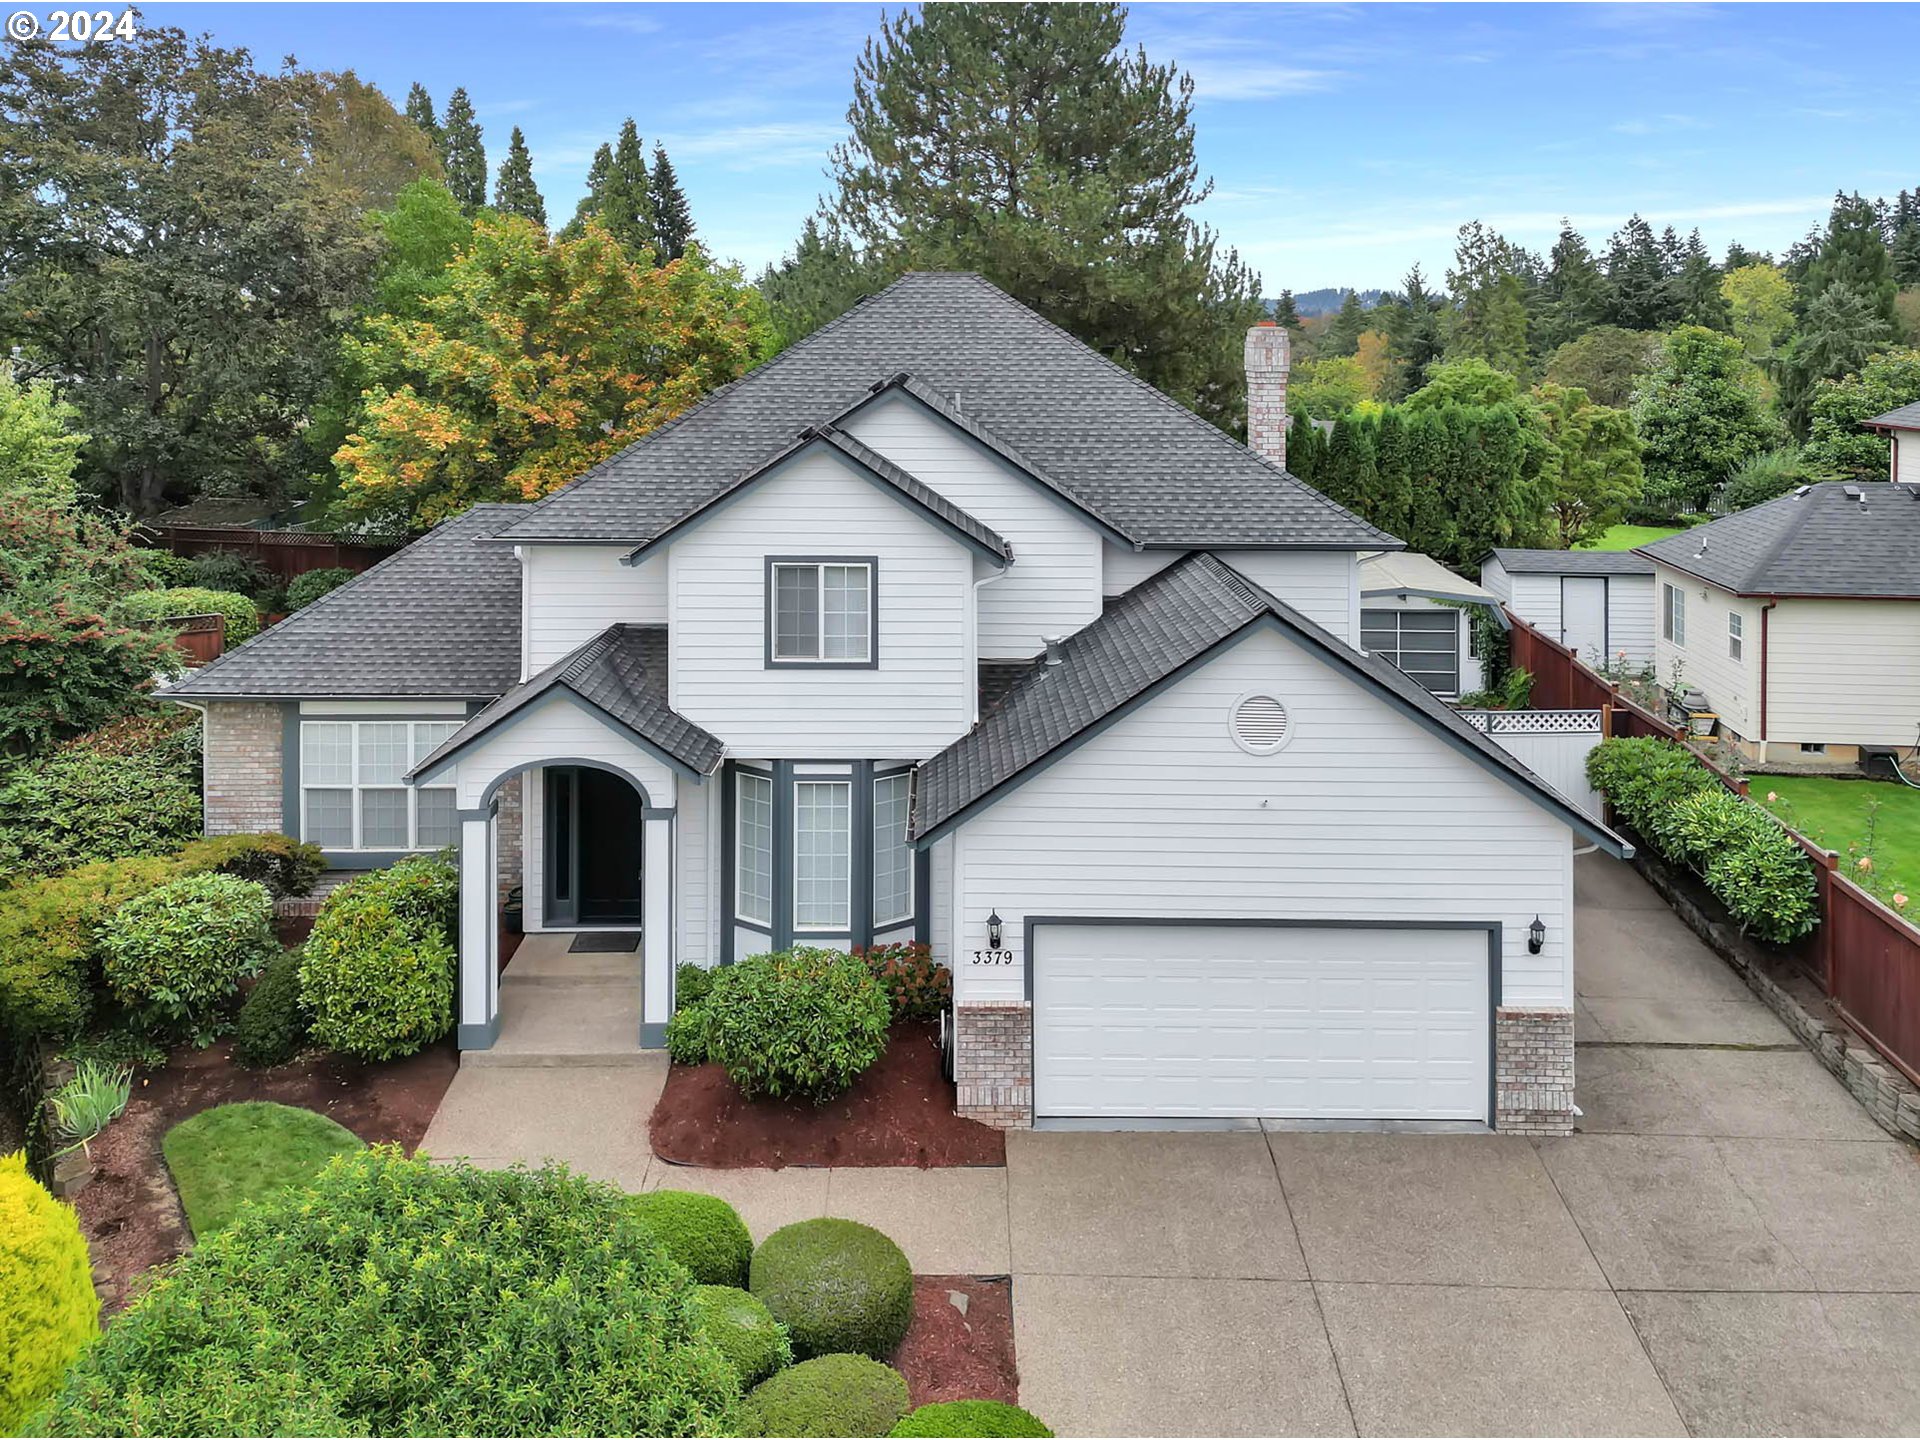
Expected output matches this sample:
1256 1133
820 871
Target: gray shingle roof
440 619
1571 562
1907 417
621 672
1832 539
1147 635
1159 473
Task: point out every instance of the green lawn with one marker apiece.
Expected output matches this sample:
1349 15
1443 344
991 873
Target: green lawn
1834 812
1625 537
226 1156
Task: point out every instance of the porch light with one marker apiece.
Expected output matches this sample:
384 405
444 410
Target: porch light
994 924
1536 936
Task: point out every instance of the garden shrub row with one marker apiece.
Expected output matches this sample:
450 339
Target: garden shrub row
1676 804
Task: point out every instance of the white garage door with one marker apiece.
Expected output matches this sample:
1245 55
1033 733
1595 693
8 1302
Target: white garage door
1276 1021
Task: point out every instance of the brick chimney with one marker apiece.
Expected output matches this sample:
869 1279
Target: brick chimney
1266 358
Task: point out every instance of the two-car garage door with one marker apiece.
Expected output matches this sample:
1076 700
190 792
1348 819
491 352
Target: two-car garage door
1321 1021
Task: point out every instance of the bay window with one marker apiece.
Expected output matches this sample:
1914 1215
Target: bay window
753 846
822 854
892 857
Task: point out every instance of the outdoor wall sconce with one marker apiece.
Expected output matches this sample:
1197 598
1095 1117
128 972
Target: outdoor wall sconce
1536 936
994 924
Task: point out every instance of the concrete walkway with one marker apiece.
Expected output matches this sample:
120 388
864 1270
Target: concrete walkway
1728 1246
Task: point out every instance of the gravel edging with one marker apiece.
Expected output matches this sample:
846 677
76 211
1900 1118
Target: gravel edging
1883 1092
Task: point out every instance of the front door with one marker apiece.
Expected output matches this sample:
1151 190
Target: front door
1583 616
594 845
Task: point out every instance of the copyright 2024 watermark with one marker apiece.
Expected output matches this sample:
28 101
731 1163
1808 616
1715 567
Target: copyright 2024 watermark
73 27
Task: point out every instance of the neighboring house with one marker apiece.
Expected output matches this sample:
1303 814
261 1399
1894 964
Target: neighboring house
1799 620
1902 428
1419 614
1598 603
940 626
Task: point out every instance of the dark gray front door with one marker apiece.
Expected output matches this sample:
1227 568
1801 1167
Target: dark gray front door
594 848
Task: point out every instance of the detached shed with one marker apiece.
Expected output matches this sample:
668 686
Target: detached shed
1598 603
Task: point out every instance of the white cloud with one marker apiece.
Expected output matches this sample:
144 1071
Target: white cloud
612 18
758 147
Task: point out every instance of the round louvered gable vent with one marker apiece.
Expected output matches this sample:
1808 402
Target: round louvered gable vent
1260 725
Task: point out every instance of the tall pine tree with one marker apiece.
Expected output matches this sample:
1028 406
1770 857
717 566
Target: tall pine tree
514 192
1852 253
1286 313
620 195
1638 297
420 112
463 154
1696 288
1573 295
672 219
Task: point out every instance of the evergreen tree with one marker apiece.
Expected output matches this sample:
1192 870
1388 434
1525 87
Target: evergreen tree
1489 285
1285 313
1573 296
420 112
1414 332
1026 142
1430 527
1637 293
514 192
1841 330
463 154
672 219
1852 253
1350 464
1696 288
823 277
1739 257
1699 413
1343 334
598 174
1390 506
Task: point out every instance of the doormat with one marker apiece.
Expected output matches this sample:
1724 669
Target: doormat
604 942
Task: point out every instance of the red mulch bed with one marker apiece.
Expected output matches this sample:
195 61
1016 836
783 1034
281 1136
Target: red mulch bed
129 1211
900 1112
951 1355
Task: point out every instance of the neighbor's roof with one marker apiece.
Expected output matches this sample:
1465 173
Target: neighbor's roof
1408 572
622 673
1147 639
1838 539
1571 562
1159 473
1907 417
440 618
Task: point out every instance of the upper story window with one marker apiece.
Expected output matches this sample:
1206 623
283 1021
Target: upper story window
1673 614
353 796
821 611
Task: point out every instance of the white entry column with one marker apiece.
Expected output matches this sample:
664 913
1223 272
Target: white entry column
656 929
479 991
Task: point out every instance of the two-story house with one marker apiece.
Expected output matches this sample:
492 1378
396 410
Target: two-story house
941 626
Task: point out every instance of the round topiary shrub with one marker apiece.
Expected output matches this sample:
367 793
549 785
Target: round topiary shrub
703 1232
745 1330
491 1302
272 1025
837 1285
48 1311
972 1417
377 973
306 588
176 954
796 1022
831 1395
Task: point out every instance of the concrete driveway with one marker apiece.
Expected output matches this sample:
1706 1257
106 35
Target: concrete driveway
1728 1246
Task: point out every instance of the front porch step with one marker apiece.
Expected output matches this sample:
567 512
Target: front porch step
562 1020
550 964
633 1058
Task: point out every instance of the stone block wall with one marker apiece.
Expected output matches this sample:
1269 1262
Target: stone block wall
1533 1080
242 743
993 1064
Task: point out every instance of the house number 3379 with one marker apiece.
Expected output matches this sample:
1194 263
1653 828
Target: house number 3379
993 957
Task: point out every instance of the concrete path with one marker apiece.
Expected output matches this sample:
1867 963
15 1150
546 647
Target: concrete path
1727 1246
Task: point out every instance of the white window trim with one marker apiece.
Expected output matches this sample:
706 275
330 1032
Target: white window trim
819 568
1673 615
793 866
891 922
739 835
356 785
1736 637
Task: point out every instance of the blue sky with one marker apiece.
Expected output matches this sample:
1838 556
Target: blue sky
1346 140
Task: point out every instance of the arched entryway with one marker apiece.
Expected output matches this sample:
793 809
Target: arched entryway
594 836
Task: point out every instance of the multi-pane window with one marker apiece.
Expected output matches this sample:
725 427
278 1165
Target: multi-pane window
1735 635
892 859
822 612
822 854
353 793
1424 643
1673 614
753 842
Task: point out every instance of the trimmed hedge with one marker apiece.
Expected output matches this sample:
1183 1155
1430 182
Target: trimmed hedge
754 1343
272 1025
405 1297
286 866
837 1285
796 1022
377 973
1681 809
972 1417
846 1395
242 614
703 1232
687 1026
175 955
48 1311
309 586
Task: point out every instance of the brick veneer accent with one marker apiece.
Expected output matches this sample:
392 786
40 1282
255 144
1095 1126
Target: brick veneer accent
508 821
1533 1082
242 751
1266 357
993 1064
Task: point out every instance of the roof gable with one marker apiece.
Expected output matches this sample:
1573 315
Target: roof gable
1158 473
1832 540
1570 562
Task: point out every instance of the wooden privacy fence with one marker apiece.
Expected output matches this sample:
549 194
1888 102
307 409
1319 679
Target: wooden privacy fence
199 638
286 553
1865 955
